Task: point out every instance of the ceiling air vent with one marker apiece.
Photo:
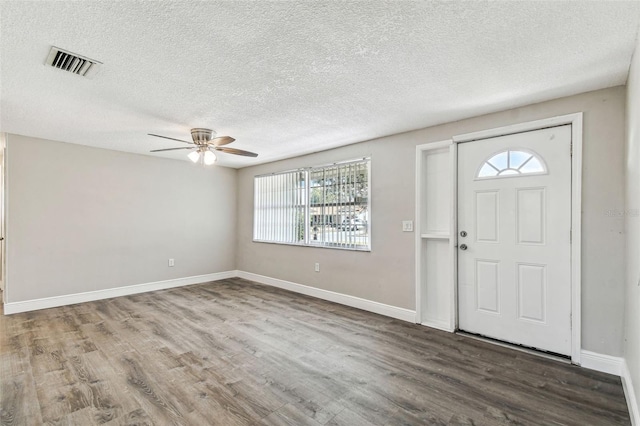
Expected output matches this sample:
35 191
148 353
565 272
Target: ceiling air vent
72 62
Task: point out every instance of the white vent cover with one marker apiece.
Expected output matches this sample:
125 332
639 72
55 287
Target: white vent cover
72 62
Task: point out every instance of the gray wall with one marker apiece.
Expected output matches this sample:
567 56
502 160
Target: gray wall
386 274
632 319
82 219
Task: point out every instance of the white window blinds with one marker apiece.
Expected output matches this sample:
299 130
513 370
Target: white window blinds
279 207
325 206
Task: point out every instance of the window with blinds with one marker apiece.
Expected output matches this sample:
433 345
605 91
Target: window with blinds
325 206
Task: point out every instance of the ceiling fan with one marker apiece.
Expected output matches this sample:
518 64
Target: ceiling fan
205 143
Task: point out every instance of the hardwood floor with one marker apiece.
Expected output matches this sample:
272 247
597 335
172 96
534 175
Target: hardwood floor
236 353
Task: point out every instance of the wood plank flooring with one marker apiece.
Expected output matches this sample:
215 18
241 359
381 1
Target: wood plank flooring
237 353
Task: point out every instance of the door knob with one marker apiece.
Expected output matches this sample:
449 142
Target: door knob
463 246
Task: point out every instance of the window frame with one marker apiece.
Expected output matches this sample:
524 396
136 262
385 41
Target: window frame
307 241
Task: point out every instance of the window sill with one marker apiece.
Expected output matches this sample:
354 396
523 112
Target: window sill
334 247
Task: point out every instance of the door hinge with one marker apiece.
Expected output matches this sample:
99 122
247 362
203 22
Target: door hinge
570 236
571 149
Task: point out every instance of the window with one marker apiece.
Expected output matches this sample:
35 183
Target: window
325 206
514 162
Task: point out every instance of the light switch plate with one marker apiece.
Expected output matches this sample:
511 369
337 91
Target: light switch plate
407 226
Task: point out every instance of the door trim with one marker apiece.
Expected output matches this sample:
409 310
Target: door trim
575 120
3 216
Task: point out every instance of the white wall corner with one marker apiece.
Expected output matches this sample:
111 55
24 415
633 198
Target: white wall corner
90 296
331 296
618 366
630 394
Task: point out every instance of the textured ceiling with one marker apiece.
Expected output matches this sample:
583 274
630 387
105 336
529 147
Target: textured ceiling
288 78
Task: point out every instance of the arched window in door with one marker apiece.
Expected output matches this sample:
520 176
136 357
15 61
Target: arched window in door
511 163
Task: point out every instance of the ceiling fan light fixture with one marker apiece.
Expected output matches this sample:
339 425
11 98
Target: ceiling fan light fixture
204 146
209 158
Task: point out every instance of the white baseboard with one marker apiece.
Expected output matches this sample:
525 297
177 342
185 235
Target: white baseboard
440 325
89 296
630 395
599 362
343 299
70 299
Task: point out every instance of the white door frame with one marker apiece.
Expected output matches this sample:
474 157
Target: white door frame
3 192
575 120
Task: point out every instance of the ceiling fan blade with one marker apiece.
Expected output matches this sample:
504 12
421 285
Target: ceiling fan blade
173 149
222 140
237 152
173 139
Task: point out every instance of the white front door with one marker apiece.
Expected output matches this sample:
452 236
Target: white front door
514 239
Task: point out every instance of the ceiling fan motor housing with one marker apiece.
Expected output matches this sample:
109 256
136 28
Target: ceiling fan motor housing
202 136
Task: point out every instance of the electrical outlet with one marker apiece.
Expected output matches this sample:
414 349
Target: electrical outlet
317 268
407 226
171 263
